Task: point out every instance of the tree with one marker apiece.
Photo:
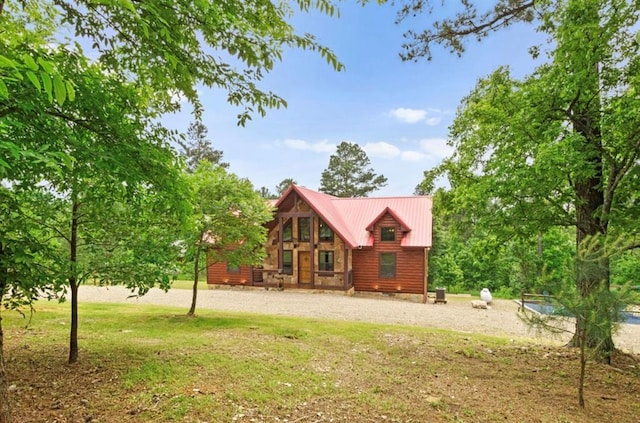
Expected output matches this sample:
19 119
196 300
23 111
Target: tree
599 312
469 23
121 175
227 222
198 148
347 174
283 185
167 45
561 146
265 193
24 67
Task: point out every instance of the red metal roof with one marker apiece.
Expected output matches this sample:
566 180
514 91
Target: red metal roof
352 218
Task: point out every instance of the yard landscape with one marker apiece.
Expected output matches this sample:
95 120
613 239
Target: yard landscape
147 363
508 166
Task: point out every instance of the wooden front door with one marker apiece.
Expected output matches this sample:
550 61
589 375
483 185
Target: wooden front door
304 267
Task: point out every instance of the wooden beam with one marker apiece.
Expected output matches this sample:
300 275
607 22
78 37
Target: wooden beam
312 240
426 276
345 265
280 243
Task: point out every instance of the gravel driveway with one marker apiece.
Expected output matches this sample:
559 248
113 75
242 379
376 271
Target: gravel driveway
501 319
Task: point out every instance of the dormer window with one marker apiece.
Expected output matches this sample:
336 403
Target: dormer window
388 233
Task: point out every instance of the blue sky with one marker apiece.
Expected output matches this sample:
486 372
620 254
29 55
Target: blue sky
398 112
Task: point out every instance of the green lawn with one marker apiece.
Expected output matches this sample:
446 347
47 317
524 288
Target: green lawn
154 364
188 284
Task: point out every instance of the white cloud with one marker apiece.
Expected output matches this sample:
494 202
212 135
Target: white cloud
433 121
389 151
408 115
430 116
412 156
381 149
436 147
318 147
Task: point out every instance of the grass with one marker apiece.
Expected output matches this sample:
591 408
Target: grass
154 364
188 284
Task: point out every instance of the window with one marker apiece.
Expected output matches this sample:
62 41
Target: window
387 265
287 231
304 229
287 262
232 268
326 234
325 261
388 234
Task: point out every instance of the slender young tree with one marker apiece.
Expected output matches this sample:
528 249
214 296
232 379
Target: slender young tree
24 67
599 312
227 222
348 174
113 154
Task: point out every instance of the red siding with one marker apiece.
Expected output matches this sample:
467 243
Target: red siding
410 264
217 274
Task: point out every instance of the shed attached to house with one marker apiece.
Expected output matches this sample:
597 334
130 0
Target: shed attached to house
317 241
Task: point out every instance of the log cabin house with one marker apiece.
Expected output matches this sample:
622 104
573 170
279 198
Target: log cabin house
317 241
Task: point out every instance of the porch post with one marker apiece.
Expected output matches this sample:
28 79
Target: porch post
312 239
280 246
345 255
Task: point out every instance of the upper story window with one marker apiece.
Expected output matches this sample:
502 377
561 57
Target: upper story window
304 229
388 233
287 230
325 232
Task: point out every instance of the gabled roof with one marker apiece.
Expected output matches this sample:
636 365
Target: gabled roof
403 226
353 218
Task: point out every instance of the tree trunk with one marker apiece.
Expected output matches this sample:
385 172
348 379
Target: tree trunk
73 337
582 60
5 404
583 366
593 270
196 272
73 284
